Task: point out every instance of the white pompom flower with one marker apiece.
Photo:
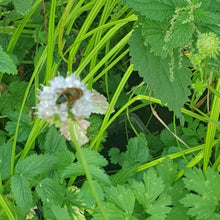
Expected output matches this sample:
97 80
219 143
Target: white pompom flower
68 111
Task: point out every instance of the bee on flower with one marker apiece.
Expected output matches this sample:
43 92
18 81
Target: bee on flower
68 100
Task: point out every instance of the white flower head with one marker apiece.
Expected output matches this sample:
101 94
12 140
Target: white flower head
48 107
55 105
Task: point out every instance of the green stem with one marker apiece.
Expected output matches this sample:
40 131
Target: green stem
86 169
6 208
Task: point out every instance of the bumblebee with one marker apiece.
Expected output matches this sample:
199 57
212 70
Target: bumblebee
69 95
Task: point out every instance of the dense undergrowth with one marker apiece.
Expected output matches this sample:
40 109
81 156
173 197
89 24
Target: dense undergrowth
152 152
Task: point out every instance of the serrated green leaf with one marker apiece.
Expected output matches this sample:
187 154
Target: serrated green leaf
60 213
114 154
167 171
156 72
6 63
54 141
203 208
23 6
51 192
65 158
86 196
93 157
21 192
137 151
160 208
11 101
5 160
157 10
76 169
122 197
204 204
34 165
24 126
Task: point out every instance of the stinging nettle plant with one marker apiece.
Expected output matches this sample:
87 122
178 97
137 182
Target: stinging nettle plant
58 48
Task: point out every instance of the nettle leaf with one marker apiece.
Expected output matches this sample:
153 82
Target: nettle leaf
6 63
204 204
137 151
156 72
24 126
5 160
122 197
51 192
114 154
157 10
21 192
34 165
11 101
23 6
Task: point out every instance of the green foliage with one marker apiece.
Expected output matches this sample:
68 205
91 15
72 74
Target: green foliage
203 202
22 7
94 161
5 158
156 71
24 128
21 191
7 64
11 101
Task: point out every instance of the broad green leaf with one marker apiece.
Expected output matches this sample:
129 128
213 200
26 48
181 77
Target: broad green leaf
5 160
60 213
51 192
54 141
93 157
34 165
6 63
204 202
156 72
76 169
137 151
122 197
86 196
22 6
21 192
24 126
157 10
160 208
114 154
11 101
154 34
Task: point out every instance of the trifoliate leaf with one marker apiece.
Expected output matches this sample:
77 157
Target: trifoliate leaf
54 141
150 194
21 192
156 72
204 202
24 126
51 192
22 6
11 101
6 63
5 160
35 164
122 197
157 10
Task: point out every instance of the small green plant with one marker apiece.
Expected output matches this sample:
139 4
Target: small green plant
109 109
